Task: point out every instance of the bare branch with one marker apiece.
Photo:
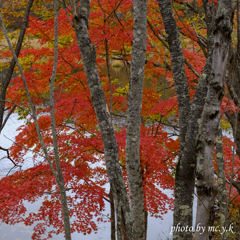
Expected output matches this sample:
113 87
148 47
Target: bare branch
7 117
165 45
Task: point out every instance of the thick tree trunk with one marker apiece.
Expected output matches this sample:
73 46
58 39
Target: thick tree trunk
206 185
10 70
188 120
222 197
88 53
134 119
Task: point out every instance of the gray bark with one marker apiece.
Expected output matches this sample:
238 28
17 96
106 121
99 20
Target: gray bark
233 70
188 119
88 53
222 197
60 178
177 58
236 132
206 185
182 208
185 171
133 162
112 217
234 91
10 70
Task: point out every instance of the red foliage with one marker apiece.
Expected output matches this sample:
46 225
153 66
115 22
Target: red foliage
79 140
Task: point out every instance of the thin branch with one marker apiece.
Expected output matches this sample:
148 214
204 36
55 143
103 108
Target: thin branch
8 156
7 117
76 130
114 10
64 124
107 61
165 88
65 8
155 33
28 149
23 108
192 8
232 92
165 45
191 68
234 198
182 21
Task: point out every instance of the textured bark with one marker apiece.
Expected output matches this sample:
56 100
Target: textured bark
177 59
188 120
234 90
233 74
112 217
88 53
222 197
182 206
133 163
236 132
146 223
60 178
10 70
185 171
206 185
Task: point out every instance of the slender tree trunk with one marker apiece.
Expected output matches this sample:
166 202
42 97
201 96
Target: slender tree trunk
146 223
88 53
222 197
134 119
112 217
177 58
60 178
182 206
233 85
206 185
10 70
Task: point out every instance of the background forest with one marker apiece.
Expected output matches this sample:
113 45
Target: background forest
121 101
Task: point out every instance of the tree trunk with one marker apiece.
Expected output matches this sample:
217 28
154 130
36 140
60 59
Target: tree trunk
134 119
146 223
112 217
233 85
222 197
60 178
188 120
206 185
88 53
